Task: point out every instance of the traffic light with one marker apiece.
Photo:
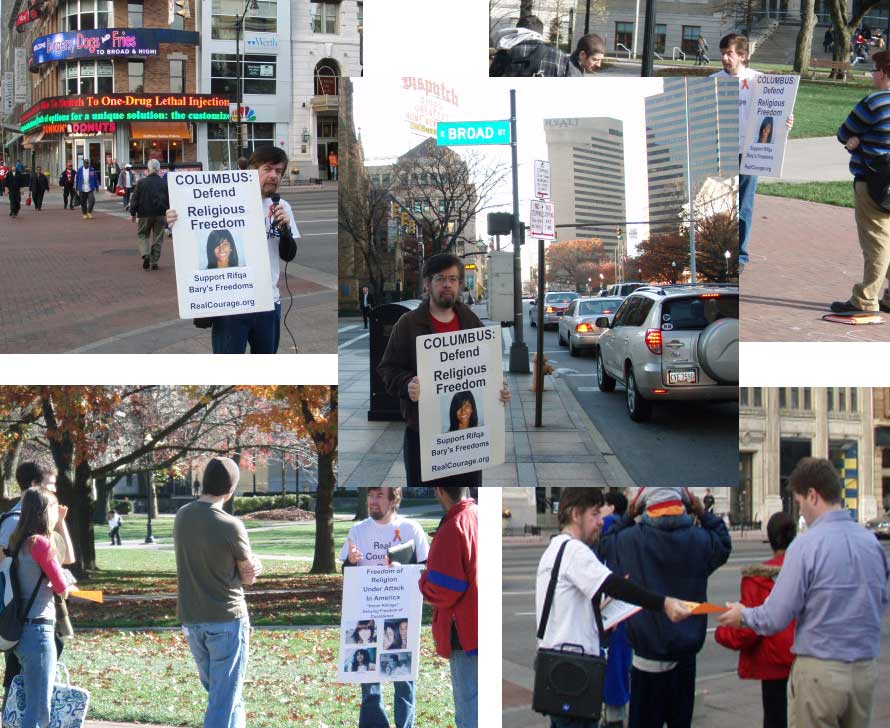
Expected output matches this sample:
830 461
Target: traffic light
182 8
500 223
618 233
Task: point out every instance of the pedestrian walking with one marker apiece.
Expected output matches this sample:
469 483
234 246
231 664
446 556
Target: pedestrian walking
15 181
589 53
4 171
701 52
87 183
734 54
522 51
213 564
150 203
68 182
708 501
866 135
39 186
828 40
333 164
366 303
769 658
113 172
231 334
128 182
114 527
835 582
666 553
441 312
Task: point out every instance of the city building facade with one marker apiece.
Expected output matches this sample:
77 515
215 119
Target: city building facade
779 426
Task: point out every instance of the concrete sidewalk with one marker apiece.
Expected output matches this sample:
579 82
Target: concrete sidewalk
817 159
71 285
804 255
568 450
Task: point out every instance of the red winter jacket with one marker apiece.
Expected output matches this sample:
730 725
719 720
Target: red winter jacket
449 582
761 658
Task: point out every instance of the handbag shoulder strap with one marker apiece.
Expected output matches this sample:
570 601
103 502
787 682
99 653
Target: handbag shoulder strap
36 586
551 590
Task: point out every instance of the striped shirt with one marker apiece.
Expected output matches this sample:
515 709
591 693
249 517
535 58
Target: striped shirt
870 121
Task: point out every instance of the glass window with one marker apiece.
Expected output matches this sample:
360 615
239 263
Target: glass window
135 13
660 37
136 76
177 76
830 393
758 396
324 16
86 14
224 74
743 396
327 80
854 400
259 74
87 77
795 398
783 398
222 142
624 35
226 14
842 399
696 313
690 38
807 398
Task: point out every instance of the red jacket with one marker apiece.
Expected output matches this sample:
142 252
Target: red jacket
761 658
449 582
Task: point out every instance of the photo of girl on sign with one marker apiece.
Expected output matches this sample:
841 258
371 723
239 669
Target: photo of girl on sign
397 664
463 412
364 633
361 661
766 131
221 251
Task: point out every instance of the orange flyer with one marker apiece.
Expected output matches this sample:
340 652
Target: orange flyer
705 608
92 596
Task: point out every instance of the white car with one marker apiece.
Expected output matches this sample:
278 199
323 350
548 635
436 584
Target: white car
577 329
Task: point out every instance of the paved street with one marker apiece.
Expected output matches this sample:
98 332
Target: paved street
70 285
722 699
587 438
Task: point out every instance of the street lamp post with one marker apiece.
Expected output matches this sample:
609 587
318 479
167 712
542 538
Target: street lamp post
673 271
727 255
249 5
589 286
602 281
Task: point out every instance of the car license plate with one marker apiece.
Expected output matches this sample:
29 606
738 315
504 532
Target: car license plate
681 376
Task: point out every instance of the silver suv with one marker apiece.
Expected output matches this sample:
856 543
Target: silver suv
672 342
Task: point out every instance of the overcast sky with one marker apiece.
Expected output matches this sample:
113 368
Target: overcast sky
381 107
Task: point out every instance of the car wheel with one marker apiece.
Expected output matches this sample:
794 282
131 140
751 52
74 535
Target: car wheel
606 383
572 350
639 409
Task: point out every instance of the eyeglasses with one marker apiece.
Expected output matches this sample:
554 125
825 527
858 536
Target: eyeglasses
443 279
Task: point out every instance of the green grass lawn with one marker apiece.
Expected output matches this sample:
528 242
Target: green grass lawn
822 107
829 193
291 680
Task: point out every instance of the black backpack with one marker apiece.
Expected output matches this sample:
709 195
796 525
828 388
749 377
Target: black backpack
12 611
512 63
877 179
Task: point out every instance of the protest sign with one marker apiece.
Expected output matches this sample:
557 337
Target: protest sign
380 624
461 415
219 243
772 102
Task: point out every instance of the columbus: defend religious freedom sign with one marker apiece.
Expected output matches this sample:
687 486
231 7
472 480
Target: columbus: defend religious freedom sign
772 102
461 415
219 243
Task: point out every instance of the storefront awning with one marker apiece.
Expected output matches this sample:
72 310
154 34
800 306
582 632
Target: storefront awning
31 139
160 130
14 139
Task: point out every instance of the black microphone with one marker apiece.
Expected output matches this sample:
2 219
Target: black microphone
273 226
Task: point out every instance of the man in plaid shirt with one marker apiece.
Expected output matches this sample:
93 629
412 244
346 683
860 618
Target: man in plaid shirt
523 52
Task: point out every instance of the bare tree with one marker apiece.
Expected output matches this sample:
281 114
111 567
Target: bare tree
804 46
442 192
844 25
739 13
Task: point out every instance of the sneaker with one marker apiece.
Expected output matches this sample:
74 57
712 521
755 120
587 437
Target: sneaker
145 262
154 266
90 215
846 307
84 216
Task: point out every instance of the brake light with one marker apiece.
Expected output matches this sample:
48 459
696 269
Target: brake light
653 340
549 309
710 295
659 391
584 329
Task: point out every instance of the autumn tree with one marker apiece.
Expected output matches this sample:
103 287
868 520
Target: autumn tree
662 257
442 192
575 261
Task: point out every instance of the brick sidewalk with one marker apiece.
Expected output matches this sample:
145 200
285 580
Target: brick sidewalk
72 284
804 255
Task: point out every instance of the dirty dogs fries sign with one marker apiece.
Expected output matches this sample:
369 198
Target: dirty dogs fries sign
461 415
219 243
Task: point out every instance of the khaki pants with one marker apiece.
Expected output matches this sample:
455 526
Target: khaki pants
151 235
873 225
831 694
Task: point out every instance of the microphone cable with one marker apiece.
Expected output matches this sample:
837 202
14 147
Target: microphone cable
276 198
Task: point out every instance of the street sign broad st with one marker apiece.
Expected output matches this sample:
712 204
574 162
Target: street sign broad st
461 133
542 179
543 220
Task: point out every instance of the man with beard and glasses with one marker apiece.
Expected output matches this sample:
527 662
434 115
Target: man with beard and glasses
441 313
368 544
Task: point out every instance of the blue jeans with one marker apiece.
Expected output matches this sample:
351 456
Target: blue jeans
36 651
747 190
373 712
465 686
220 650
232 334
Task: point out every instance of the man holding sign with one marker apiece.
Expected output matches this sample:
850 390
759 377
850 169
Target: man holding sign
734 53
441 313
256 319
369 544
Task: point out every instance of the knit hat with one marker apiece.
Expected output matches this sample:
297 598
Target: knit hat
658 502
220 476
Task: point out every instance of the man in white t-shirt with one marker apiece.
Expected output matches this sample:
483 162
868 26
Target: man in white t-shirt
582 577
262 330
368 544
734 52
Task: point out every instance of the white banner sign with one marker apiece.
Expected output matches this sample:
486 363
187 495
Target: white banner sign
772 102
8 93
219 243
380 625
461 415
542 179
22 82
542 225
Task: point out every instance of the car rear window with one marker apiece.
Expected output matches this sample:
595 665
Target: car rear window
697 312
560 297
593 308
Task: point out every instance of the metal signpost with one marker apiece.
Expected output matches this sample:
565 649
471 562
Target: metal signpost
542 224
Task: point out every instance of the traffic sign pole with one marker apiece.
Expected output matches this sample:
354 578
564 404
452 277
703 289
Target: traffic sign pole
539 370
518 350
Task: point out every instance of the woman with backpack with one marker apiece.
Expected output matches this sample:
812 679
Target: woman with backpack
39 574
